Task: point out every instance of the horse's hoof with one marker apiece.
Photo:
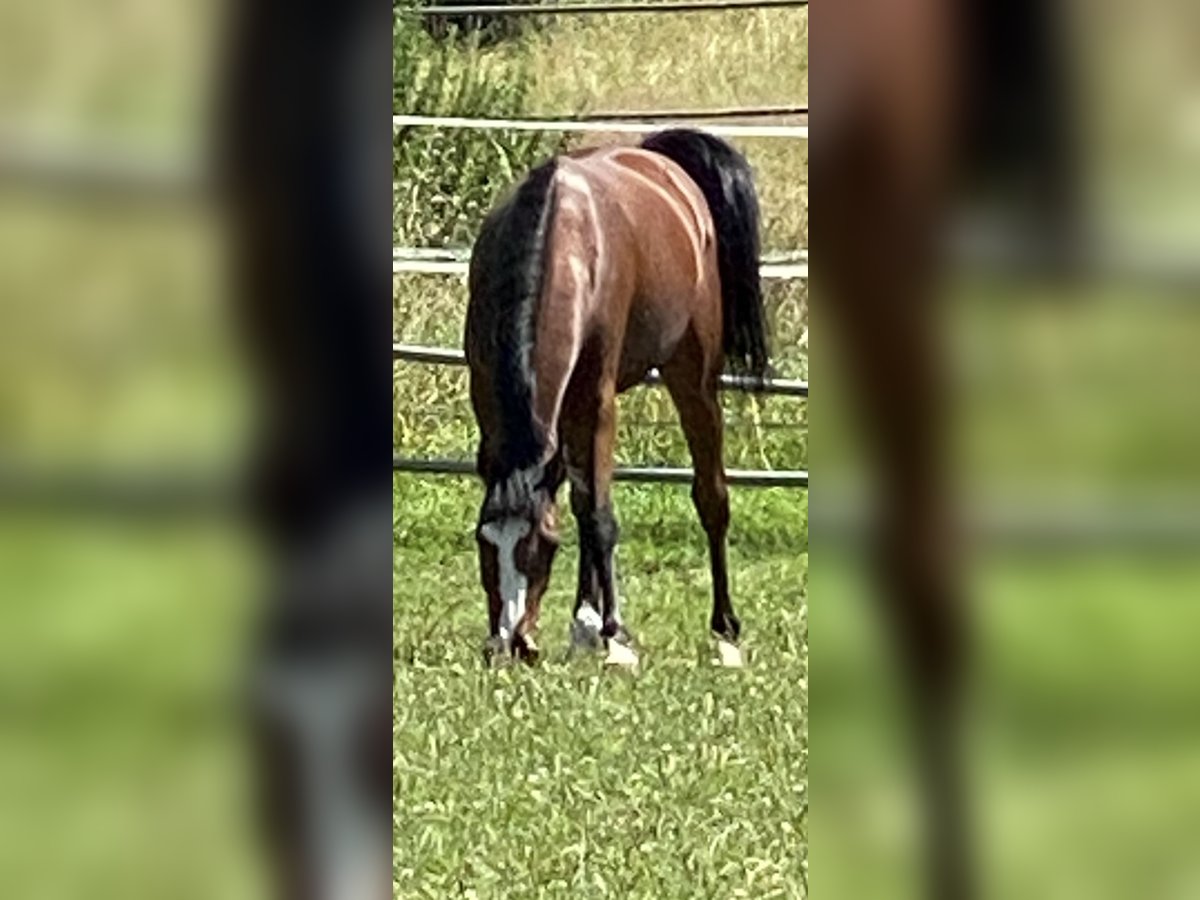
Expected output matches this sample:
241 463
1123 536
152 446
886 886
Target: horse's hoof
621 655
495 651
585 631
729 656
526 650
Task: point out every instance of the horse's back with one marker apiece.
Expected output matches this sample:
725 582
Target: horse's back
662 208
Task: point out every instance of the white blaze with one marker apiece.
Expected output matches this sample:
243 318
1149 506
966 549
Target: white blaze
504 536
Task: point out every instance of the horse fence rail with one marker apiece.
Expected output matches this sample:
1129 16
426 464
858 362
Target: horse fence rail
463 254
594 127
445 356
552 9
639 475
667 115
402 266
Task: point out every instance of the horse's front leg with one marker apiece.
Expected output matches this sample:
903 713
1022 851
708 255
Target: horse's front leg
602 523
590 469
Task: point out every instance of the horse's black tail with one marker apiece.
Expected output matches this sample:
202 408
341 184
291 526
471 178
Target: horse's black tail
724 177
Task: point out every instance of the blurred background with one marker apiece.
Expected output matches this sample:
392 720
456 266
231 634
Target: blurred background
124 589
1070 364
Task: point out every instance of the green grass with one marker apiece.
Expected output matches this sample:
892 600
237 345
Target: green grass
1082 720
121 648
450 179
681 780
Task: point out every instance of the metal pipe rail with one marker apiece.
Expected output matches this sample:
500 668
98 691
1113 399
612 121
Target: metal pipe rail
575 125
463 254
640 475
551 9
668 115
445 356
402 266
456 261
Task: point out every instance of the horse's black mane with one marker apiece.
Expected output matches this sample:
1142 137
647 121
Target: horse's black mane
506 284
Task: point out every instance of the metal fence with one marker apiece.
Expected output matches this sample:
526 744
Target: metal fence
416 260
639 474
781 387
411 260
784 387
554 9
568 125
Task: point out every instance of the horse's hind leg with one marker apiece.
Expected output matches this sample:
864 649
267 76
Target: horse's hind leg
695 398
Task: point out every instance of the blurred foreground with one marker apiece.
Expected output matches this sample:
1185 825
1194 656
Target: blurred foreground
197 581
1047 695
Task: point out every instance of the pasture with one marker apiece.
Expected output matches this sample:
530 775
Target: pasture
682 780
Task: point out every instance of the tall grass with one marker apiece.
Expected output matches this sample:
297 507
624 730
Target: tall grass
445 180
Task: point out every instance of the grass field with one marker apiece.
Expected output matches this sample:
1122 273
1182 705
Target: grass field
682 780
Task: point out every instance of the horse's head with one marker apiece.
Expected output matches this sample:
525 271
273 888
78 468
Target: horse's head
518 537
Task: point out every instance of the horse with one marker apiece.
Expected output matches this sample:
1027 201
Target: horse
602 264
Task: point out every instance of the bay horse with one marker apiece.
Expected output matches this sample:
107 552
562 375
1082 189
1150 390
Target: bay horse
603 264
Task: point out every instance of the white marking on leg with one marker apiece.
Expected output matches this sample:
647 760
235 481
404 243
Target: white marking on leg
621 655
504 536
612 568
729 656
585 628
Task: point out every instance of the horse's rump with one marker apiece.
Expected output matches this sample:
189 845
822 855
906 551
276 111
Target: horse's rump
595 270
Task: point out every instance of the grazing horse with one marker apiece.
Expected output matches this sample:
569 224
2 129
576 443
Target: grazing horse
603 264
